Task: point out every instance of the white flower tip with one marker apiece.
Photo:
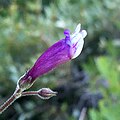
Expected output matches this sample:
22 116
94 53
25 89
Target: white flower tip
84 33
78 28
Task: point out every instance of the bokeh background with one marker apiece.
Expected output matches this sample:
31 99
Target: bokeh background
89 84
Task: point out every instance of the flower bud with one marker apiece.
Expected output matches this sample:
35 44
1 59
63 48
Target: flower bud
46 93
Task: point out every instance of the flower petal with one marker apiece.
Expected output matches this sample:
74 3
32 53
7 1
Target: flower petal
77 30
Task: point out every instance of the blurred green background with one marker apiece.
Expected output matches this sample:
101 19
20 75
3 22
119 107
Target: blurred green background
90 82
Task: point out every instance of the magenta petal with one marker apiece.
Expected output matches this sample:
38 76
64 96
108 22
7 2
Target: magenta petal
51 58
67 33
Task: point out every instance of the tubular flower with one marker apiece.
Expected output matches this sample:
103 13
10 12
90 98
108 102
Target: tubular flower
60 52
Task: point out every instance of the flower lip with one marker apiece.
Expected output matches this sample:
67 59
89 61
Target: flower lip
83 33
75 40
77 30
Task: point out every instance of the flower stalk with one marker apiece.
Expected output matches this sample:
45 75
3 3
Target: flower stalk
44 93
16 95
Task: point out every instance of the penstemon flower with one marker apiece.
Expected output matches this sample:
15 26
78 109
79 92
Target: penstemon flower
62 51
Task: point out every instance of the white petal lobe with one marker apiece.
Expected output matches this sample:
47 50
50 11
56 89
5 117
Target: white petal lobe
77 30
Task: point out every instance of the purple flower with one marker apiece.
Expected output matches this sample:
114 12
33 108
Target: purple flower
62 51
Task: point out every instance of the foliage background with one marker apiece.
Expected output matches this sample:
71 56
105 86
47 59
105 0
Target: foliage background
92 81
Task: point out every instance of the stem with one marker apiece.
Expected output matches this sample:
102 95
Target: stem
29 93
44 93
6 104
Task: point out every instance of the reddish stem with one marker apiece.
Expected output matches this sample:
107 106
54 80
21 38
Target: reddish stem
6 104
29 93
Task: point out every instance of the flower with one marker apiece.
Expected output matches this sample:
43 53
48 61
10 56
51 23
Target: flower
62 51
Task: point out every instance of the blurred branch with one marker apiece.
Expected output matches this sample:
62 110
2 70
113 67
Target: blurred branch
83 113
